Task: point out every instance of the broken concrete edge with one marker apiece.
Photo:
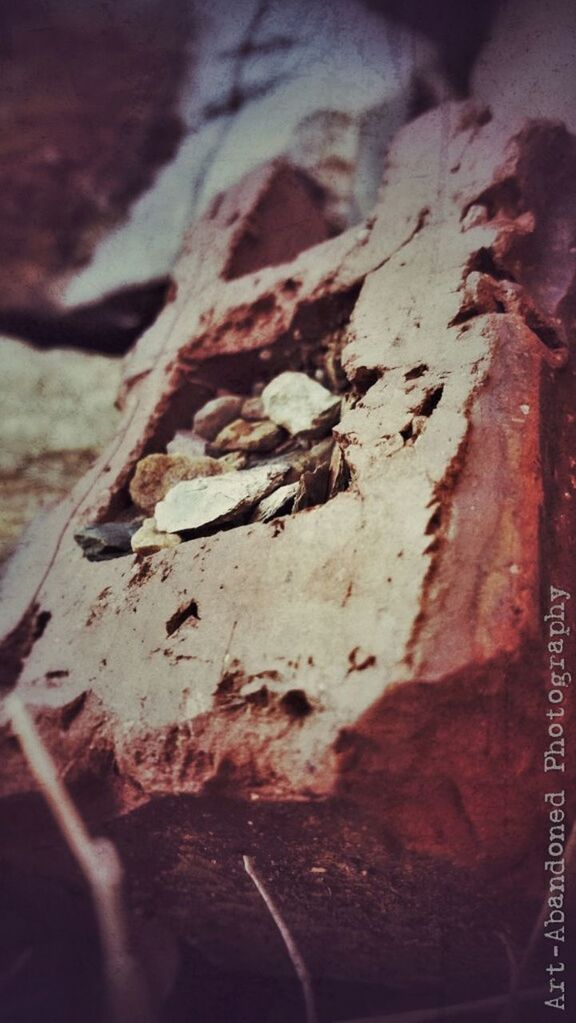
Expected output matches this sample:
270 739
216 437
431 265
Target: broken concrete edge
235 780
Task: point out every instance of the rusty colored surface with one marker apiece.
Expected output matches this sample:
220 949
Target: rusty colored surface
360 686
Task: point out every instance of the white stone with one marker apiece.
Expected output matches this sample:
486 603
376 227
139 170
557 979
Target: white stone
299 404
186 442
209 500
148 539
275 502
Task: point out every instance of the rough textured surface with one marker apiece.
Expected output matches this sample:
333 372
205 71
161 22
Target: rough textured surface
337 687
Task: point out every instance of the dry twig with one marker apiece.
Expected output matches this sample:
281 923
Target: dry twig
292 949
126 988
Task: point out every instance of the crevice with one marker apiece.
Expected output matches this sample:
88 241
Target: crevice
437 528
418 371
470 312
502 199
545 331
18 644
182 615
431 402
483 262
42 619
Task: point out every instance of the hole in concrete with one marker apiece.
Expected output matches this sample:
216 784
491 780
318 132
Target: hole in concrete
431 402
296 703
418 371
312 346
181 616
42 619
364 379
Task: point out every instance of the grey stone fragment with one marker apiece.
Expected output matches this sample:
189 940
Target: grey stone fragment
278 501
106 540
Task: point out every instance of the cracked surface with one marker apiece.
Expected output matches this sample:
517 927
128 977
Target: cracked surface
373 648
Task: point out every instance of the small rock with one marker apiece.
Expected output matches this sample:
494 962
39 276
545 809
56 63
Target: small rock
253 409
278 501
148 539
106 540
216 414
232 461
196 504
308 461
301 405
335 375
338 471
156 474
186 442
243 436
312 488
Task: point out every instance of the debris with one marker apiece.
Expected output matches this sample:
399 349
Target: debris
216 414
307 461
243 436
148 539
253 409
338 472
156 474
301 405
312 488
186 442
276 502
100 542
207 501
291 946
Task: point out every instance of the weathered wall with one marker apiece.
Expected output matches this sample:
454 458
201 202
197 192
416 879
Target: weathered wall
374 657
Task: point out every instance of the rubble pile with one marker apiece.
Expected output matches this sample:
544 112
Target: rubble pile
247 458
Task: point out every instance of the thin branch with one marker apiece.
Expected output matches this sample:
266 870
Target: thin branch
128 996
291 947
446 1011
